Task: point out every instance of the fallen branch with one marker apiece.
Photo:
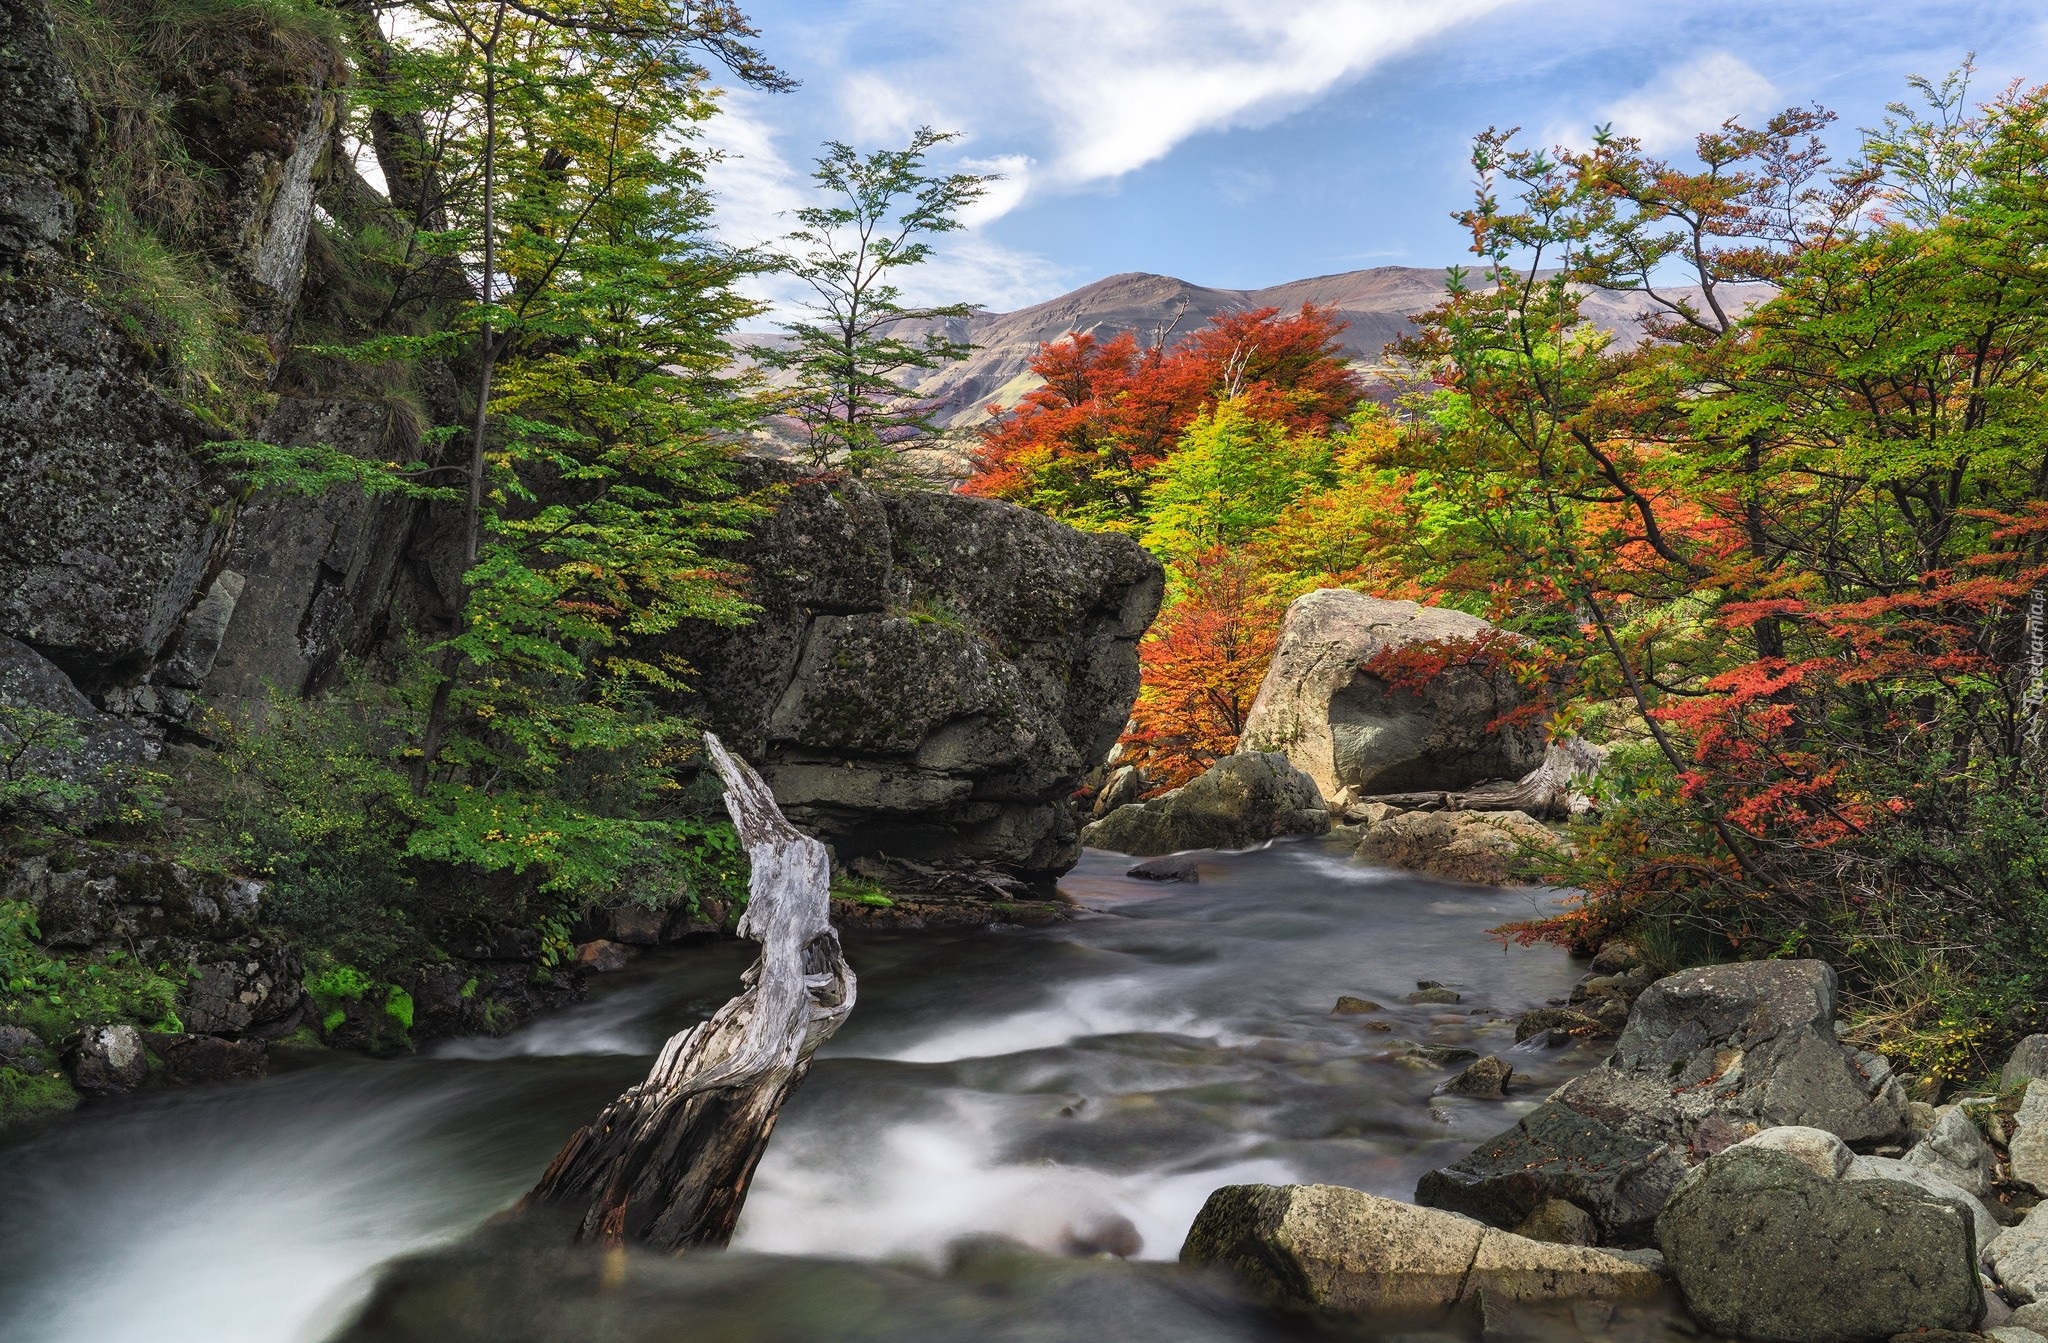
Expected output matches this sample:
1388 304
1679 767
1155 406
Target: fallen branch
668 1163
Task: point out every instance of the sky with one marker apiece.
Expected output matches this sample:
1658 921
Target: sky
1242 143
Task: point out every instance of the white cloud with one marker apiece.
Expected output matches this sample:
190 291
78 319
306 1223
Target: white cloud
1125 81
1684 100
876 109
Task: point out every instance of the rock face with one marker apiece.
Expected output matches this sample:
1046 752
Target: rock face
1243 800
928 676
1340 1250
1764 1247
1475 846
42 137
111 522
1355 734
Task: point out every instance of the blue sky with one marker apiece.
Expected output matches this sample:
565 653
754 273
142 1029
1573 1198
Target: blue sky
1241 143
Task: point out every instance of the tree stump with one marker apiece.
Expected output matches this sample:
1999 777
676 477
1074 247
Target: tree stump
668 1163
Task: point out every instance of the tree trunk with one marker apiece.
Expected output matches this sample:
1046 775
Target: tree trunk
668 1163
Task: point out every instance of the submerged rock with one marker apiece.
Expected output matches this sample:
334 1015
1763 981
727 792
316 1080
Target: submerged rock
1243 800
1177 867
1333 1249
1356 734
1764 1247
1486 1078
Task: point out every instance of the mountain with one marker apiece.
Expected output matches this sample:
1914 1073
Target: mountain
1377 303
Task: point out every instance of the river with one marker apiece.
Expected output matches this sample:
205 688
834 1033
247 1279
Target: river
1063 1088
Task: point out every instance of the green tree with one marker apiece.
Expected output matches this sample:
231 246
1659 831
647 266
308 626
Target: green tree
1232 475
848 358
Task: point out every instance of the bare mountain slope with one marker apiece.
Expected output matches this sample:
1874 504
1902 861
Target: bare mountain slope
1377 303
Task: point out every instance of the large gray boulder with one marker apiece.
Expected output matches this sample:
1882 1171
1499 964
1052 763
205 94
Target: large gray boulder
1241 801
2019 1260
1764 1247
1954 1148
1357 735
928 677
1333 1249
2027 1149
1749 1043
1555 1153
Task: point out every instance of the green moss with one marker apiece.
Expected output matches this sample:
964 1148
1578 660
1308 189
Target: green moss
24 1096
861 891
469 988
55 995
398 1006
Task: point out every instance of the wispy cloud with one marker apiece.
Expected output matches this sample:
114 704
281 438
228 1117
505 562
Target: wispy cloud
1126 81
1683 100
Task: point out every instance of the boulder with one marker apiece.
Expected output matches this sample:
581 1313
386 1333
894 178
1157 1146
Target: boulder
1327 1248
1553 1152
1355 734
1751 1043
112 520
1764 1247
195 1060
1891 1168
245 996
2027 1063
1486 1077
2027 1149
1243 800
1475 846
2019 1260
1565 1019
21 1049
108 1059
1173 867
1953 1147
603 957
1126 784
43 137
1560 1223
1818 1150
928 677
133 902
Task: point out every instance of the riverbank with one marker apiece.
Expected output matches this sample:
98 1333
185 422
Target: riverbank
1029 1084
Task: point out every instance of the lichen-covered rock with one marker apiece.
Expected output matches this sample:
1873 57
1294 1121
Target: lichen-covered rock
2027 1149
1891 1168
928 677
1241 801
112 522
1753 1043
109 1059
1475 846
2020 1260
257 993
1763 1247
42 136
1554 1152
1355 734
1332 1249
132 902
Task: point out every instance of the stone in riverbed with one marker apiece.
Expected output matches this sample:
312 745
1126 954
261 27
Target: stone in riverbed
603 957
1562 1019
1559 1223
1891 1168
192 1060
109 1059
1176 867
1244 800
1341 1250
1348 1006
1764 1247
1474 846
1557 1153
1486 1078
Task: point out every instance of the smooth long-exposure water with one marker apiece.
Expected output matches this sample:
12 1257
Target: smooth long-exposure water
1065 1089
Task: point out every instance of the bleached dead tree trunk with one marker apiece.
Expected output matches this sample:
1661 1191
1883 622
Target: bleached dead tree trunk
668 1163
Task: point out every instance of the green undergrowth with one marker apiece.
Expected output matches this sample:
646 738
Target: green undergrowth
56 996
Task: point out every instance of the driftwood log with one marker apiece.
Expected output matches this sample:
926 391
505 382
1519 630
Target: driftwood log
668 1163
1550 791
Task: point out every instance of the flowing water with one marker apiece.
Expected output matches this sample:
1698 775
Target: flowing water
1067 1089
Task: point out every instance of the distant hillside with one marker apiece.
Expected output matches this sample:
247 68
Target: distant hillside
1377 303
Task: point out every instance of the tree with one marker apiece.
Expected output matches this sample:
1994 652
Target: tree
848 359
1231 475
1082 447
